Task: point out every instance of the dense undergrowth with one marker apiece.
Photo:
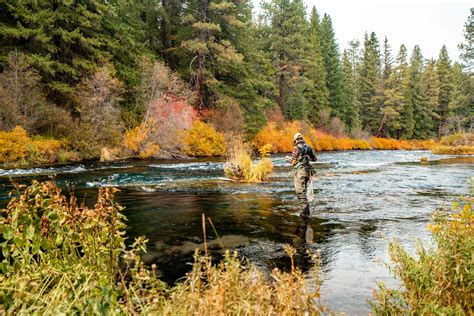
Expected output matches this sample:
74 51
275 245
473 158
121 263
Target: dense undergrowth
18 148
200 140
280 136
60 257
456 144
439 280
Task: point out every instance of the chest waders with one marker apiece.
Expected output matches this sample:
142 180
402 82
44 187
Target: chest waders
302 174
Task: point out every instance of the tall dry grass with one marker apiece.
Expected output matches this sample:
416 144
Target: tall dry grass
456 144
239 165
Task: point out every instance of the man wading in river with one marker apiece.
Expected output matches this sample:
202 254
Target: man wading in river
300 159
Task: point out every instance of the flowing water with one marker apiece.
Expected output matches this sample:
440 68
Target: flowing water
363 198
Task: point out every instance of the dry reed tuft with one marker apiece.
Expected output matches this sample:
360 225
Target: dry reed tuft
453 150
239 165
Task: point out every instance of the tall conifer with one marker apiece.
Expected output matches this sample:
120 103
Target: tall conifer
369 81
443 67
415 115
331 55
316 71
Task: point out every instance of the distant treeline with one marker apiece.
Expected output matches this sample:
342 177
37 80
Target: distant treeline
84 71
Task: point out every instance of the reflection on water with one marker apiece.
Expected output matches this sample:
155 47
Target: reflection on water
362 198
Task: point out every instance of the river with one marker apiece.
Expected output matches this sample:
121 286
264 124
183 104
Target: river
363 198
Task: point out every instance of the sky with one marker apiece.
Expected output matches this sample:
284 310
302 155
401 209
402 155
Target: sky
427 23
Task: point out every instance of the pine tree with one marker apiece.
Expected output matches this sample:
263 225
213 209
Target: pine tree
467 48
349 93
287 44
331 56
387 60
63 40
461 105
316 71
395 99
164 27
415 115
443 67
208 46
430 91
252 82
369 81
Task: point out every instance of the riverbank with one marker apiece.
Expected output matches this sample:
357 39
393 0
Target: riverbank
18 149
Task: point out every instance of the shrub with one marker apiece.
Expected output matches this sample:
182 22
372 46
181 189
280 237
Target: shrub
140 141
62 258
439 280
458 139
227 117
281 139
12 145
21 97
98 98
42 150
167 104
16 147
202 140
422 144
239 165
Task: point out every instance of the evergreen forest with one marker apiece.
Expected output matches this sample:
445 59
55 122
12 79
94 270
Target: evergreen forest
91 72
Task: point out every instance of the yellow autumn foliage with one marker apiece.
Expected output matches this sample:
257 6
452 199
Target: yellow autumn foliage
16 146
140 142
202 140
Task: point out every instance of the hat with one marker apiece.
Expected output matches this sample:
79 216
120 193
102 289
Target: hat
298 136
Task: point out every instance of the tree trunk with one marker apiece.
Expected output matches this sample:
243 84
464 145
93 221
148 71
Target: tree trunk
201 57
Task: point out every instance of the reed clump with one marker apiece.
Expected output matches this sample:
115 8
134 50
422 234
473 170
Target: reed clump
60 257
453 150
239 165
438 281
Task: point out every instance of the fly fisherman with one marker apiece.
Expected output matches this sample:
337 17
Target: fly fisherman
300 159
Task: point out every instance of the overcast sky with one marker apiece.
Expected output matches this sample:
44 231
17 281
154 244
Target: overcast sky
428 23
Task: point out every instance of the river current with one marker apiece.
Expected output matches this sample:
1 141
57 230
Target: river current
363 199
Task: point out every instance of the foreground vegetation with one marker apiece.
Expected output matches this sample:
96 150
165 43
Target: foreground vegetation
439 280
61 257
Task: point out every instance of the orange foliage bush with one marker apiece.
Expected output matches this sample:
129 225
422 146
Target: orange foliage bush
16 146
281 140
202 140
